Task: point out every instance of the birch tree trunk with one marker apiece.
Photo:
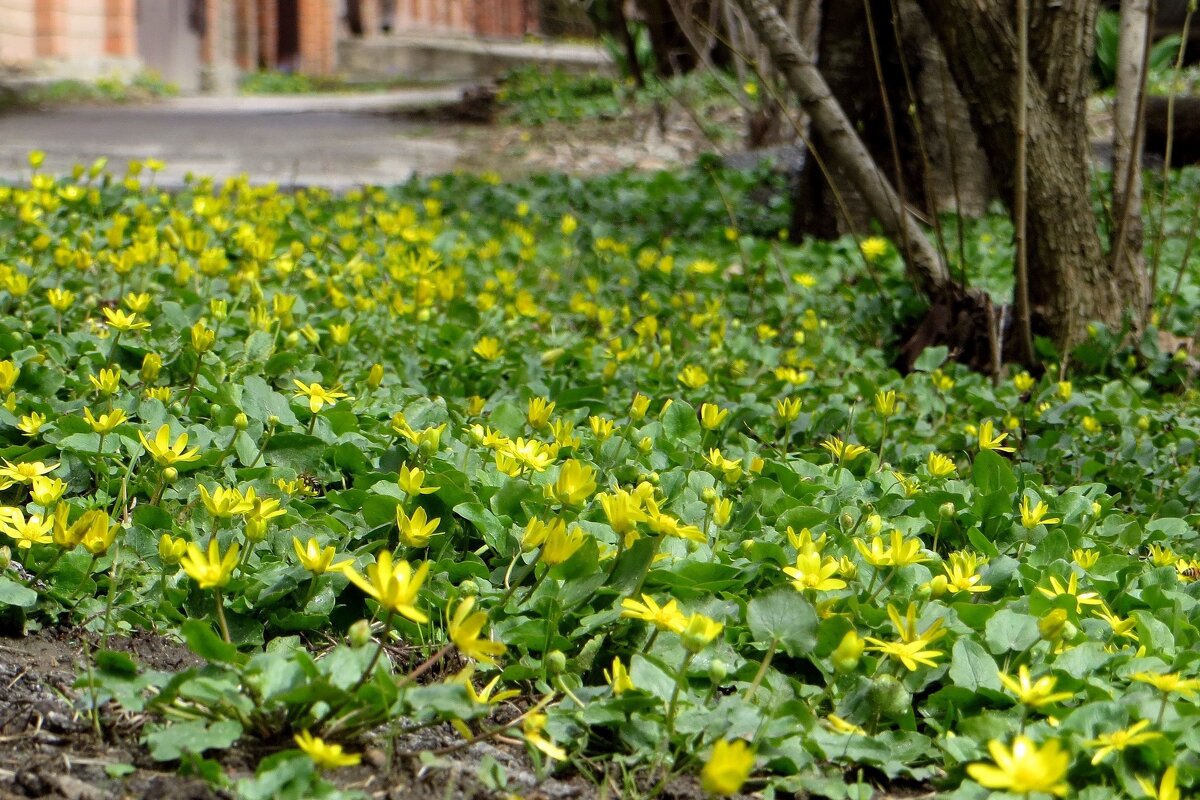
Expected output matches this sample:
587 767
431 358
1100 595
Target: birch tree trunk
1128 134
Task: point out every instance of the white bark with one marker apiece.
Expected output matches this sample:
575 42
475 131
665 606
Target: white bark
1132 53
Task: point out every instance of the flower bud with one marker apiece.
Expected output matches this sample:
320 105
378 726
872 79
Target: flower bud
241 421
273 421
170 474
5 557
889 696
468 588
937 586
709 495
846 655
151 366
1052 626
947 510
717 670
375 376
556 662
360 633
846 520
645 445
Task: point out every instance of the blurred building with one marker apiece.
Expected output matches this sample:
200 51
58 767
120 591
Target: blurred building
198 43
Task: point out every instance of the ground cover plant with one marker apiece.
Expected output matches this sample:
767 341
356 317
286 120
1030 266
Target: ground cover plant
607 468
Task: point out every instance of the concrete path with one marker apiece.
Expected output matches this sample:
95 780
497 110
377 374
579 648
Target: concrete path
337 141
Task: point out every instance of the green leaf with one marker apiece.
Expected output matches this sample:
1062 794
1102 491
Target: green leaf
681 426
1010 632
785 616
169 742
14 594
971 667
993 475
205 643
931 358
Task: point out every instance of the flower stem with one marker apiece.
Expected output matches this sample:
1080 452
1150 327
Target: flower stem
220 603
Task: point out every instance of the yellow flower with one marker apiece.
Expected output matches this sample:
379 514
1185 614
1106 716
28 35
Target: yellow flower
1023 381
136 302
224 503
1034 515
95 531
318 396
1072 588
488 348
619 679
787 409
576 482
539 412
698 632
639 407
31 423
526 454
560 544
1090 425
23 472
1063 389
961 575
106 422
623 512
885 403
665 618
1167 682
988 440
940 466
727 768
202 337
844 726
124 322
464 629
47 491
166 454
60 299
1024 768
412 481
712 416
899 553
170 549
841 451
533 728
1117 741
394 585
811 573
316 559
873 248
804 541
602 428
323 754
722 510
1167 790
1162 556
910 654
1086 559
210 570
25 532
1034 694
107 382
693 376
415 530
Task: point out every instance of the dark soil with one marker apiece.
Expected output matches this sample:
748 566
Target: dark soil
49 748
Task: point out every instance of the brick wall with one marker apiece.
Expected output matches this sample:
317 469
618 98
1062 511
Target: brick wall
503 19
18 33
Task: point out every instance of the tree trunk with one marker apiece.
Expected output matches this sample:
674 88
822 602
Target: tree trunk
842 146
1070 282
942 167
1128 133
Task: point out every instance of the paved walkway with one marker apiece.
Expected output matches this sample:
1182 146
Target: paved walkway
338 141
